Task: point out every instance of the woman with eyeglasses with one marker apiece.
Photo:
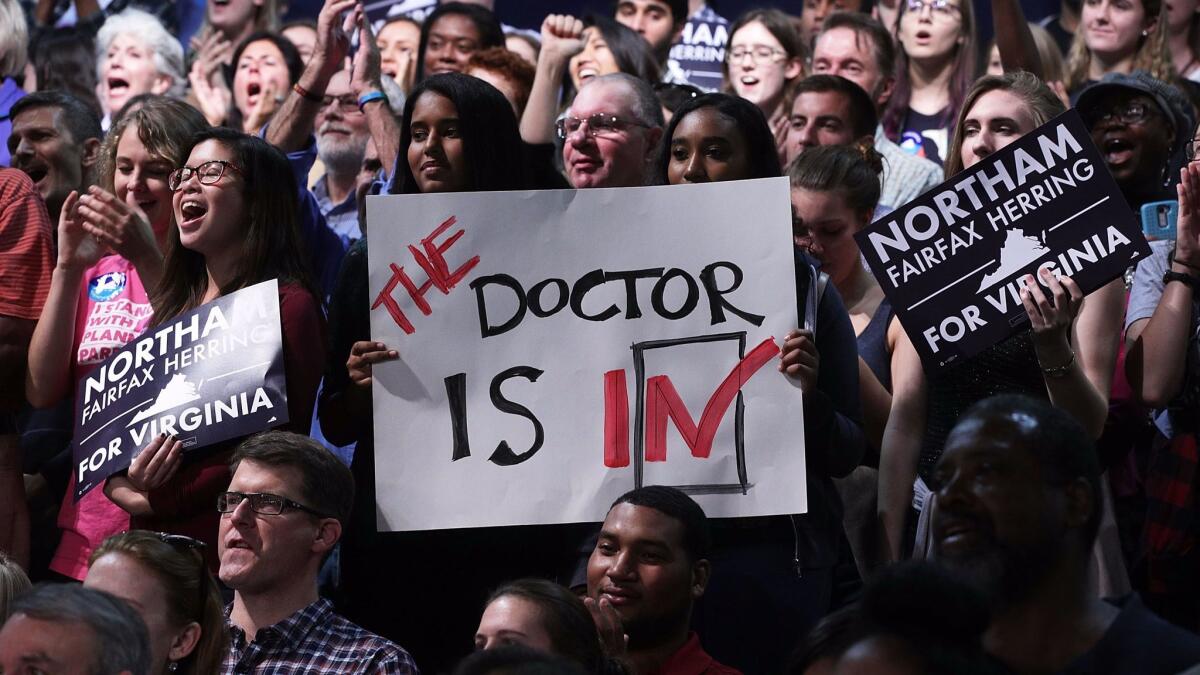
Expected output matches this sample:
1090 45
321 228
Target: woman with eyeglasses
785 563
1118 36
1067 355
764 57
934 69
234 203
458 134
164 578
111 242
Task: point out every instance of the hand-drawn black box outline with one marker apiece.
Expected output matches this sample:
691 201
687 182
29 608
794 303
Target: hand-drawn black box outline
739 439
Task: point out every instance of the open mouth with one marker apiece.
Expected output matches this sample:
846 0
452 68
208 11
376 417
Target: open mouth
923 36
191 210
36 173
117 86
586 73
748 80
1116 151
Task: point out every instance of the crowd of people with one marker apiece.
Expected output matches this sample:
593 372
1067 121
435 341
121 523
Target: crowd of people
1034 509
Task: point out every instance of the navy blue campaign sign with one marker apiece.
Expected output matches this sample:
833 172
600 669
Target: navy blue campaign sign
954 260
212 374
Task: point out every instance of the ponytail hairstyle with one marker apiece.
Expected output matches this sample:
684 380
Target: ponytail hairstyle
566 620
1151 55
191 593
852 170
1043 103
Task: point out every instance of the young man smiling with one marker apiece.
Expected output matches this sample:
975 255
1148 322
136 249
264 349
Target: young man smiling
648 568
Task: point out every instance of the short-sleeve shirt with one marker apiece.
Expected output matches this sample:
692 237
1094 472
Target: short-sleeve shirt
925 136
1147 290
26 247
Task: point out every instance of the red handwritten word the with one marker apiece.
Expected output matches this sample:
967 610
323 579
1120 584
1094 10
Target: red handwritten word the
433 261
663 401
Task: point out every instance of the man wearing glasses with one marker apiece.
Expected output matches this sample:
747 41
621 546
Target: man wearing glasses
285 509
610 133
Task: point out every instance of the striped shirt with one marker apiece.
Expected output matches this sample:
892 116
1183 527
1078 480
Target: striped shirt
26 247
314 640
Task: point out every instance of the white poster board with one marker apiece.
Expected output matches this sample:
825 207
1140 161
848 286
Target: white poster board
544 409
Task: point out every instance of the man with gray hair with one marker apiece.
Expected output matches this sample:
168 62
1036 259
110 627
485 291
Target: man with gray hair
342 135
611 132
60 628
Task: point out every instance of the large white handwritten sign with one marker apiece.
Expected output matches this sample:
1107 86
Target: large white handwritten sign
953 261
558 348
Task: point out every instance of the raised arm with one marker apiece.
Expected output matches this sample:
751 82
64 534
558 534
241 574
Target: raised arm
1018 51
366 80
562 38
292 126
48 379
1077 357
1157 346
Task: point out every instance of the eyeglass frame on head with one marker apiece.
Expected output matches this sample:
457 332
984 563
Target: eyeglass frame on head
284 503
176 179
1190 149
608 120
757 53
179 540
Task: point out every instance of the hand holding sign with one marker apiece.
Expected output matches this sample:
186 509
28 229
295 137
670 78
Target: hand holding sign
362 355
800 359
156 463
1051 318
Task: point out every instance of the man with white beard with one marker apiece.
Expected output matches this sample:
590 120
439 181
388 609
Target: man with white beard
342 135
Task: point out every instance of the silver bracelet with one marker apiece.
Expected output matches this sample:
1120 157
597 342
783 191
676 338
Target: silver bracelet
1058 372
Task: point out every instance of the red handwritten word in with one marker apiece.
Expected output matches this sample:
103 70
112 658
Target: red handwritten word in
433 261
663 401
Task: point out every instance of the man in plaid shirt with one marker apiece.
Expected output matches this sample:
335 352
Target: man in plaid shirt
282 515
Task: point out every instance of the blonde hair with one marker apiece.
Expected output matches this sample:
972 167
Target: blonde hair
14 38
1053 66
1043 104
13 580
1151 56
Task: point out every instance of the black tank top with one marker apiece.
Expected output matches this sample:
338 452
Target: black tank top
872 344
1010 367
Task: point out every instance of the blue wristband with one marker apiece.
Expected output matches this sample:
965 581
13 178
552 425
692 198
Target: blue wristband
371 96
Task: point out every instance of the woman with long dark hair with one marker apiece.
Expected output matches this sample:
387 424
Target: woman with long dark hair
935 68
458 134
784 562
234 200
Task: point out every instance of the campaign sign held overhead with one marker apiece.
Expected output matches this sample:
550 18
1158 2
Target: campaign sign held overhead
953 262
211 374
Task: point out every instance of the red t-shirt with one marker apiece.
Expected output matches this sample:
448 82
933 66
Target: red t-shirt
26 247
113 309
691 659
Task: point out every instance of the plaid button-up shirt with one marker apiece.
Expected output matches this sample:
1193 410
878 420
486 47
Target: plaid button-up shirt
314 640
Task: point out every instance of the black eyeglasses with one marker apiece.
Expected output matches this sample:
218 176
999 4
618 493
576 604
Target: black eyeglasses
209 173
1134 112
263 503
347 104
1192 149
599 124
